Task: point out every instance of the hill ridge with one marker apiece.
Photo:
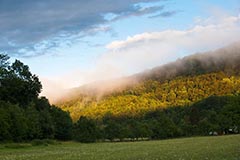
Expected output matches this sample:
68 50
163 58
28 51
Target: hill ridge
197 76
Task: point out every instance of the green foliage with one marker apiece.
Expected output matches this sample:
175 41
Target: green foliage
113 130
18 85
85 130
218 115
162 127
13 122
62 122
5 128
33 122
24 116
47 125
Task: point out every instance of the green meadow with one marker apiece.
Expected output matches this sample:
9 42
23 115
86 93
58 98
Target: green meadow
195 148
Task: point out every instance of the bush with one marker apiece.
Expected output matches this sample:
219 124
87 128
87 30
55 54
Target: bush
38 142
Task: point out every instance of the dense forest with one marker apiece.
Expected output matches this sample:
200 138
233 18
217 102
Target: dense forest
215 115
151 95
190 97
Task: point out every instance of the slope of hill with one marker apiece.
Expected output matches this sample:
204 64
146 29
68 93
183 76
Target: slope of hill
179 83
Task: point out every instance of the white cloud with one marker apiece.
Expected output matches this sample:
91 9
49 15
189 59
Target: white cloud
149 49
225 28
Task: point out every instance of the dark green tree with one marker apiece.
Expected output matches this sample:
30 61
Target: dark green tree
113 130
18 84
5 132
62 123
33 122
85 130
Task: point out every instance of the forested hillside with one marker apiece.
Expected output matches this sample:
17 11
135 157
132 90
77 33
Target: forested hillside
150 95
180 83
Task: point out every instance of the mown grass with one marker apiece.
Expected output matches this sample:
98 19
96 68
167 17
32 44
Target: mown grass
195 148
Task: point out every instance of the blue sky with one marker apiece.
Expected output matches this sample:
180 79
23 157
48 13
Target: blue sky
70 43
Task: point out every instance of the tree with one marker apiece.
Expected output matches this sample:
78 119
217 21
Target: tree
62 123
18 84
85 130
163 127
13 122
34 130
18 123
5 133
23 115
113 130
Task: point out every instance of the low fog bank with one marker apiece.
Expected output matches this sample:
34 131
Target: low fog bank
225 59
97 89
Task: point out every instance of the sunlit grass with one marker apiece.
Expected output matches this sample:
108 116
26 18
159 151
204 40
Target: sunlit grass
196 148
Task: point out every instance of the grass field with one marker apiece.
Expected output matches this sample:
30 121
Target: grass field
196 148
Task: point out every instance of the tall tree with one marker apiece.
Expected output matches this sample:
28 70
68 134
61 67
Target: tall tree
18 84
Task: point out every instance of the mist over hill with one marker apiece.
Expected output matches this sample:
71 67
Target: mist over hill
224 59
178 83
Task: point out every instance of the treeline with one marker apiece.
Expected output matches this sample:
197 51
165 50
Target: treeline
150 95
23 115
212 116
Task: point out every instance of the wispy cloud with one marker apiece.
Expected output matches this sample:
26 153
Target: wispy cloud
165 14
138 11
30 28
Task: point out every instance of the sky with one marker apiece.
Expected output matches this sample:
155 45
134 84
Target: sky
68 43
